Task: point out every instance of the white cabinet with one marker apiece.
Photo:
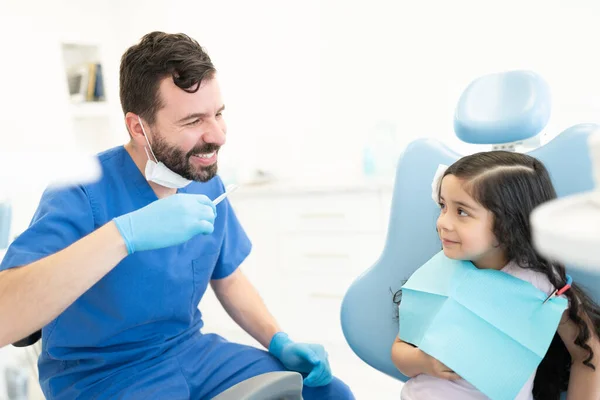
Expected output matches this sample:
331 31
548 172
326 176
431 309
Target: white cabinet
308 247
309 244
330 212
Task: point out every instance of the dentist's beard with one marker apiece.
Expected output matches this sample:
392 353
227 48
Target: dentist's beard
179 162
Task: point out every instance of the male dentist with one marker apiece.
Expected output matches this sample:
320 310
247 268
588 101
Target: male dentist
113 272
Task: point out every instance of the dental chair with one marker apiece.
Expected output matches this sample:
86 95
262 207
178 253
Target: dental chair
501 110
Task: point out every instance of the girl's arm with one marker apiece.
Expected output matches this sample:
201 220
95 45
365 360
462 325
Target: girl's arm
411 361
584 382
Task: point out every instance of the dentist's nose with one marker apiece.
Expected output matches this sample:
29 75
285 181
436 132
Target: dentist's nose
216 133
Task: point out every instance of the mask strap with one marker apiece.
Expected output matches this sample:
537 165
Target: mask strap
146 137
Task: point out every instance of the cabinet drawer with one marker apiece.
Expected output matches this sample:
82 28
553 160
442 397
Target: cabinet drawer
319 287
324 254
316 321
331 213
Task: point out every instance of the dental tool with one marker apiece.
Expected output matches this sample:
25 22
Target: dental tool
228 190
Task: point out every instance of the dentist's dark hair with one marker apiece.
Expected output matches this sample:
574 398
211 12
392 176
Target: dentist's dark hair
510 185
159 55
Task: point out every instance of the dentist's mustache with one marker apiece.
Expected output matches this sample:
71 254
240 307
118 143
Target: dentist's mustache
203 149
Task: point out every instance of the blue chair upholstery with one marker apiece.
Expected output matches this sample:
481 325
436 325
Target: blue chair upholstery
517 109
5 223
368 313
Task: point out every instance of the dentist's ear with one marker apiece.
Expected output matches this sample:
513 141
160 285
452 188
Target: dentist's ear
134 126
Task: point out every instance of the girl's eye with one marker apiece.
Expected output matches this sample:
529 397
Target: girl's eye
462 213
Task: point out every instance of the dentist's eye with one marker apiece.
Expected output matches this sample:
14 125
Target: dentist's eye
194 122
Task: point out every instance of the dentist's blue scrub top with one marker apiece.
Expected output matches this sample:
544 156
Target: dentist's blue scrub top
143 310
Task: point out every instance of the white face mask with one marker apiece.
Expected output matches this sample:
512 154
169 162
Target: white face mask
158 172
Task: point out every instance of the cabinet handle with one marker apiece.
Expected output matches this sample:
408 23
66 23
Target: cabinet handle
328 296
323 216
327 255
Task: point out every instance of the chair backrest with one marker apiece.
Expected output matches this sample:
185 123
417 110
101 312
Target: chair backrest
368 315
502 108
5 224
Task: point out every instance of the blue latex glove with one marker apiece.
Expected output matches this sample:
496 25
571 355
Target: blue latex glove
305 358
167 222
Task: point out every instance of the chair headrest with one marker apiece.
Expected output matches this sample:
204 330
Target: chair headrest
503 108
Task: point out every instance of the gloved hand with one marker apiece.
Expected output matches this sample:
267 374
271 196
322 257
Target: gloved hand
305 358
167 222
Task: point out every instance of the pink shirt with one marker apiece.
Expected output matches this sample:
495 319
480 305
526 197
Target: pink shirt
425 387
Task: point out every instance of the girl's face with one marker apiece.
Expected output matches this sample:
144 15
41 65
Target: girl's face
465 227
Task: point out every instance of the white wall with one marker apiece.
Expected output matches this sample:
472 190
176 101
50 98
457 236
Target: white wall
306 83
35 116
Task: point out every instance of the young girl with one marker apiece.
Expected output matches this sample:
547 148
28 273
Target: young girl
485 202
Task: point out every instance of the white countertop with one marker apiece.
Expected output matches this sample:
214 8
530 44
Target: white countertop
283 188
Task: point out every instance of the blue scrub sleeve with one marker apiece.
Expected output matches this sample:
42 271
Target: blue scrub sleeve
236 244
62 217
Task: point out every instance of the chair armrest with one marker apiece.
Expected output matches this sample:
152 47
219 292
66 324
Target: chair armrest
270 386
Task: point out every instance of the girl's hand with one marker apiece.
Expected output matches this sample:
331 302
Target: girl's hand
437 369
